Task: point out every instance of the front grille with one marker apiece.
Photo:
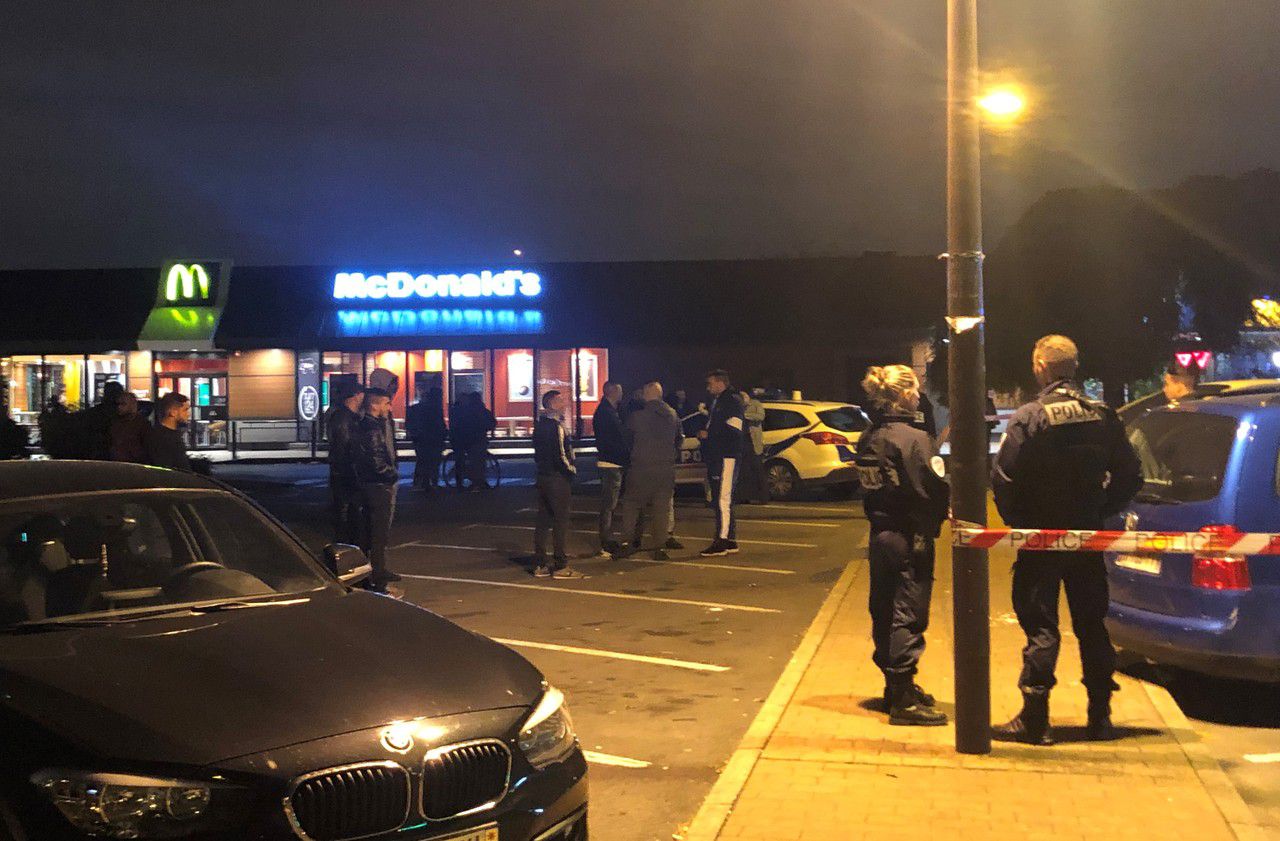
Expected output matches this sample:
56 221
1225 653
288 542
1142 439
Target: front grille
463 778
354 801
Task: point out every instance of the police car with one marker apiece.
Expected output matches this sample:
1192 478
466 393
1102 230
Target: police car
810 442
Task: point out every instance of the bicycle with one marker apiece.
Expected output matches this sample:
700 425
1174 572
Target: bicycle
449 470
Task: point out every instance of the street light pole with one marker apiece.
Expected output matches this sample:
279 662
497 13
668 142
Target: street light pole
967 377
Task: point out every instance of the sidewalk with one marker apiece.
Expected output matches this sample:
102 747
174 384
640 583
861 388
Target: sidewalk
819 765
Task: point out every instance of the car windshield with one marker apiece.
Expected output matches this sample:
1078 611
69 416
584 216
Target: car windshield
1183 454
845 419
110 554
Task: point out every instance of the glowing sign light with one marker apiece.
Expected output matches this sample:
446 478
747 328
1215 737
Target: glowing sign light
398 285
1201 358
186 283
457 322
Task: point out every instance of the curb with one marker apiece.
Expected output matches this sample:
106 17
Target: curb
1215 781
719 802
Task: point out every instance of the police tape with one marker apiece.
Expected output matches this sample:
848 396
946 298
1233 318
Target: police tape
1224 542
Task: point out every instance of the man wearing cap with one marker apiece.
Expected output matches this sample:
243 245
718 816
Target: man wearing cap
344 490
1064 463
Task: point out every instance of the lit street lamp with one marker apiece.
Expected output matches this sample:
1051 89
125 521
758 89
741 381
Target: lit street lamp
1003 105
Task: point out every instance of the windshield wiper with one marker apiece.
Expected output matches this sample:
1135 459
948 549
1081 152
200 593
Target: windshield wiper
1153 498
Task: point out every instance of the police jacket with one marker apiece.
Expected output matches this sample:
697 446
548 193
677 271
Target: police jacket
1065 463
901 489
654 436
341 427
725 428
611 443
370 453
551 450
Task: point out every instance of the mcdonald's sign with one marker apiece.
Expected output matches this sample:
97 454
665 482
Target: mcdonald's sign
186 283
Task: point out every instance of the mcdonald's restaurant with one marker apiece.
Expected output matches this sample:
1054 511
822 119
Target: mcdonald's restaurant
259 349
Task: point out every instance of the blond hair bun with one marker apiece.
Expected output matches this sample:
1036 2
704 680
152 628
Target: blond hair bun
890 386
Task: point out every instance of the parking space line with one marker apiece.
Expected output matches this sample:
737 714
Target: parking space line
797 508
1262 758
496 551
598 758
783 544
602 593
615 655
443 546
810 523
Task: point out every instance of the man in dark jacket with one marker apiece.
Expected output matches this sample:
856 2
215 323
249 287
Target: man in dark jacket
129 431
424 421
470 426
653 435
167 440
553 456
721 445
1065 463
346 501
375 469
98 420
612 458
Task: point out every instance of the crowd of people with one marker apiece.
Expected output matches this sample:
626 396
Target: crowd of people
116 428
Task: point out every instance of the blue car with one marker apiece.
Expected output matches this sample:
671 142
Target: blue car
1210 466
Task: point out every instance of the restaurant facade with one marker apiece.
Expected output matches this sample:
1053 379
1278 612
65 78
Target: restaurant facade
259 349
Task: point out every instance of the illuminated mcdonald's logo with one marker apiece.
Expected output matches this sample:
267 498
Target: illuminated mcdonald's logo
186 283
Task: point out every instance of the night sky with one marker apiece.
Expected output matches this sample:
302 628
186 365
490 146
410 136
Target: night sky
370 133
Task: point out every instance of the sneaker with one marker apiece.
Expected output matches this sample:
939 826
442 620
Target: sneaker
623 552
916 715
731 547
716 549
610 547
542 571
660 555
567 572
672 543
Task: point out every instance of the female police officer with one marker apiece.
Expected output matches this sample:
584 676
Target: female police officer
906 501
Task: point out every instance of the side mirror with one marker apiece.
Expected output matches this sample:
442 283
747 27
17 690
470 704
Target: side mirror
347 563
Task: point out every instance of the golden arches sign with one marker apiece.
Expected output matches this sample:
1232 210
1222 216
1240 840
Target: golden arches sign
186 283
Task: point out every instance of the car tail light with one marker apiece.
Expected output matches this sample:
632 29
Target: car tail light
825 438
1220 571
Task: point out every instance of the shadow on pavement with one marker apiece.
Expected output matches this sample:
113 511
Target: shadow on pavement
1239 703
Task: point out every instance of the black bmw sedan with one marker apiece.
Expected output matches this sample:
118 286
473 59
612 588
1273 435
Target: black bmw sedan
175 664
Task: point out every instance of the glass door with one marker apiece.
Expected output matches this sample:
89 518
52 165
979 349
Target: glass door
208 395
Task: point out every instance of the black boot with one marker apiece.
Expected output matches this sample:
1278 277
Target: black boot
1100 728
906 708
1030 726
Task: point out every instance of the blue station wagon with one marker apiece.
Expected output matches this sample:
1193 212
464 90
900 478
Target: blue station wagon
1209 466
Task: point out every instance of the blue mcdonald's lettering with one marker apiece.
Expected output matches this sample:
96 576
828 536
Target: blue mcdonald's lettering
509 284
437 322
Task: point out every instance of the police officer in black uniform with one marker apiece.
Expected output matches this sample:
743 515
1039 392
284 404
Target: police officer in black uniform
906 501
1064 463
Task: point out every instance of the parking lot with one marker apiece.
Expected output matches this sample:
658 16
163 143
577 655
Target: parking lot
665 663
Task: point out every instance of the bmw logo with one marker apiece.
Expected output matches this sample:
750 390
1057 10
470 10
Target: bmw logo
397 738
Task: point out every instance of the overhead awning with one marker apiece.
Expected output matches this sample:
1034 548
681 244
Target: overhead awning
73 311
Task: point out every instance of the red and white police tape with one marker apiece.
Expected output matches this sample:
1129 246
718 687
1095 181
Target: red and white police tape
1216 541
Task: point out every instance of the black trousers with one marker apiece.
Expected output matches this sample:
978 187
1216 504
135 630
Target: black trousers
722 475
554 495
470 460
752 484
346 510
1038 577
649 491
426 469
901 589
379 511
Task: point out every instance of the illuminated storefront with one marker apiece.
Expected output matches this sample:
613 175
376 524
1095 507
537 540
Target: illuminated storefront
261 349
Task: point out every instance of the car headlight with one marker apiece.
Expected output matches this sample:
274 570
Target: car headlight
547 736
129 806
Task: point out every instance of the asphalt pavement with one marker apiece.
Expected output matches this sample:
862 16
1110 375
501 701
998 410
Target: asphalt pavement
665 664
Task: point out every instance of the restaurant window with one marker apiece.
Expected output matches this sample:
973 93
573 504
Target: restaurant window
555 373
64 380
202 377
424 371
513 392
103 368
394 361
339 366
591 372
26 388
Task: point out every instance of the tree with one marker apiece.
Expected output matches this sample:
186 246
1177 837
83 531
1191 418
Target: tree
1104 265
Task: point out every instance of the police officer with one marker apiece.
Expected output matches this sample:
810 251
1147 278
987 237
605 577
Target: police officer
1064 463
906 501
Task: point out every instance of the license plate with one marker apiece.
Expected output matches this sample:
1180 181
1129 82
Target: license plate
1146 564
484 833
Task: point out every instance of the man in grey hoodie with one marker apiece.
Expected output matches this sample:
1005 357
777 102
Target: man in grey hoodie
654 436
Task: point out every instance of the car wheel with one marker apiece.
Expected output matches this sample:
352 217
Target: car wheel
784 481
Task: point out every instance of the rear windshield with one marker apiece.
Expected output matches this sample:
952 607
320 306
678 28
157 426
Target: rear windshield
1183 455
845 419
